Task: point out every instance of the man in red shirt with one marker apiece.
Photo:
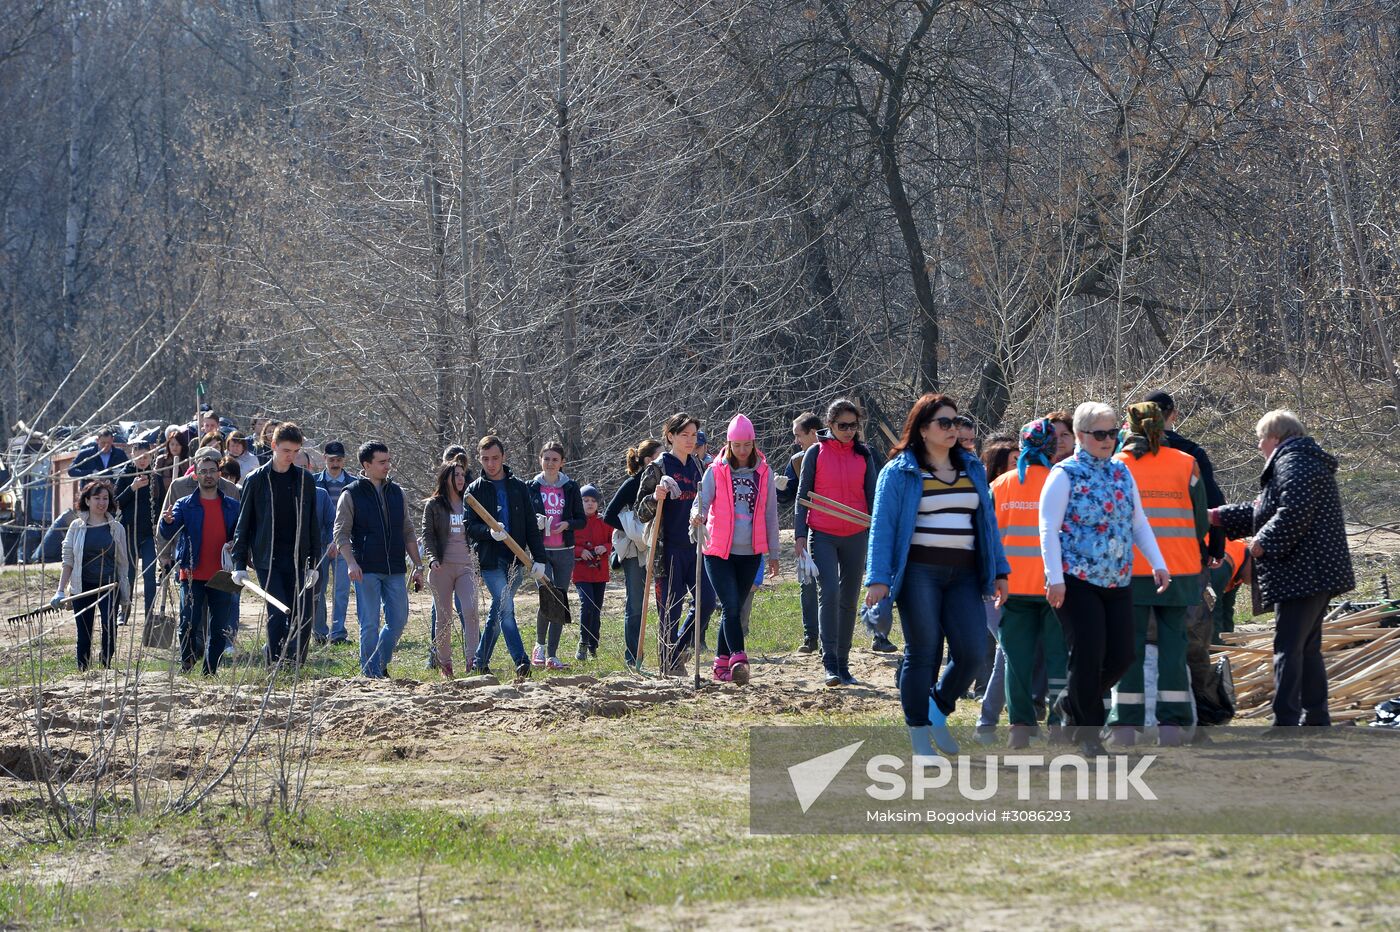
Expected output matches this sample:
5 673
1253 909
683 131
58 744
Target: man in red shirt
204 521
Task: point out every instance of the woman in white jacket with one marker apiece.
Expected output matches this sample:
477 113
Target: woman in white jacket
629 540
95 555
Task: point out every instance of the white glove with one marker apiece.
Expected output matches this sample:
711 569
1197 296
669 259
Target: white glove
781 482
542 521
240 577
311 577
538 571
226 557
672 487
700 535
498 534
57 597
600 550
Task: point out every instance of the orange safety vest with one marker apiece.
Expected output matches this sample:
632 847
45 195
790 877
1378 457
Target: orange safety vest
1236 551
1018 519
1164 484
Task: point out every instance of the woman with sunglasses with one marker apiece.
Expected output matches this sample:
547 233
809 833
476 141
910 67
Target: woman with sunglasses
935 548
1090 519
838 467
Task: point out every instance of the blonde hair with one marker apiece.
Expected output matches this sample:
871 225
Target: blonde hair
1281 424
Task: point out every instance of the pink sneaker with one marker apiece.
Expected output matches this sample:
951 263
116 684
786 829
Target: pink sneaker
722 668
739 667
537 658
553 663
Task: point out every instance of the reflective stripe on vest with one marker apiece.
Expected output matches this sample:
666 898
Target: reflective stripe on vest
1164 484
1018 520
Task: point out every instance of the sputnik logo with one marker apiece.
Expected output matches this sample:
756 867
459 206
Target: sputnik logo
811 777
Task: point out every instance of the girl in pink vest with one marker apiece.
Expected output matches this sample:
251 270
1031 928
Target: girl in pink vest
736 515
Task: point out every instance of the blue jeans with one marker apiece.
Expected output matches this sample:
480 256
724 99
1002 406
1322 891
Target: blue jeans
340 605
634 577
211 612
502 585
376 590
938 603
810 632
733 581
146 550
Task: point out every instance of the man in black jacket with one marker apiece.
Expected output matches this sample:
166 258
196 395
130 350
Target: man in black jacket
139 495
510 503
98 459
1301 559
278 535
804 434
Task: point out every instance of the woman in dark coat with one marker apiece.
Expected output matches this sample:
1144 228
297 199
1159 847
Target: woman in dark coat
1300 559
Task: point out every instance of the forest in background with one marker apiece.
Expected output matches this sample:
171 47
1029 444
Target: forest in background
426 219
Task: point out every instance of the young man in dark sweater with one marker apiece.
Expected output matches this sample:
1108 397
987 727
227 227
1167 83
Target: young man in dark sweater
279 537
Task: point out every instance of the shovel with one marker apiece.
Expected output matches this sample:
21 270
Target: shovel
553 607
223 581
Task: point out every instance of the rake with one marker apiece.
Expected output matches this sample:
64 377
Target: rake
59 606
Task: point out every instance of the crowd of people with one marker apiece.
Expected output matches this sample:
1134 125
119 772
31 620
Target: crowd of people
1029 571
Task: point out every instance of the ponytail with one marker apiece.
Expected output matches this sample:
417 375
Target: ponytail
637 456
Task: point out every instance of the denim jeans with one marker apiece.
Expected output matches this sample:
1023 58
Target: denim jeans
937 604
502 585
338 571
840 566
377 643
590 613
211 613
634 577
733 581
146 550
810 632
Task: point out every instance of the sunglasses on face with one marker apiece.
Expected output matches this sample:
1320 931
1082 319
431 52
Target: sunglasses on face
946 423
846 425
1102 435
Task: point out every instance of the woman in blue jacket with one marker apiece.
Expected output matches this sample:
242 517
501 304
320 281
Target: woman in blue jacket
934 548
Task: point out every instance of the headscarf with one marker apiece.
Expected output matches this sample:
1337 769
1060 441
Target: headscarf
1038 443
1146 424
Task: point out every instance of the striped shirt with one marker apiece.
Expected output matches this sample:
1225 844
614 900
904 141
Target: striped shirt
944 533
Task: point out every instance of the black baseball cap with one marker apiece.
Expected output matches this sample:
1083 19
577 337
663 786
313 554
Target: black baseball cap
334 448
1162 400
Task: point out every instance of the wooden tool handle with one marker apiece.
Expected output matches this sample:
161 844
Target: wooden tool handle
833 503
495 525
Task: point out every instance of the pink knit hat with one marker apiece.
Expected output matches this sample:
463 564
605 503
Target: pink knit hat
741 428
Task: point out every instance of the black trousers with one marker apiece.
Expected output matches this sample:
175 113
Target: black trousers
1300 678
1098 626
84 610
288 636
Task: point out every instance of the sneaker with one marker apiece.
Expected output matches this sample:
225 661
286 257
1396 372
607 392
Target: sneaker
739 667
846 678
537 659
340 642
445 668
480 670
553 663
809 646
1020 737
721 670
883 645
581 653
522 669
833 678
986 735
